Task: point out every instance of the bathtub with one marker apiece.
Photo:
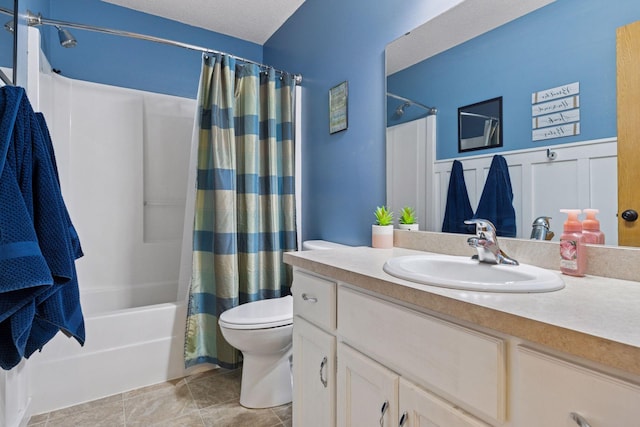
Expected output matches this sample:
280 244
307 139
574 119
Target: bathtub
128 345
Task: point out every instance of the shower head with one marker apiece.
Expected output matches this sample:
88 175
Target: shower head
9 25
66 38
400 109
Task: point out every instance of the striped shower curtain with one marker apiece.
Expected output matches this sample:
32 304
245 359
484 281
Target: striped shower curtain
245 207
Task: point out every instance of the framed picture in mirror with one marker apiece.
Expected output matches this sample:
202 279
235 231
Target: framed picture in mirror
480 125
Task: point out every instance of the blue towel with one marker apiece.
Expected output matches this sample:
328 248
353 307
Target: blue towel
458 208
496 202
38 244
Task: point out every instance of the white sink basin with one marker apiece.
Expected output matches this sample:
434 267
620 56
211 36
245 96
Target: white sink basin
464 273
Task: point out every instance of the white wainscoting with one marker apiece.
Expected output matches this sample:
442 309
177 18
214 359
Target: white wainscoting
582 175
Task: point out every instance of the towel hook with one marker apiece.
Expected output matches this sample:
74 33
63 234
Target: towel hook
551 155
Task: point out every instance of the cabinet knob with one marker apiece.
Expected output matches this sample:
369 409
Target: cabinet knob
383 411
306 297
323 378
579 420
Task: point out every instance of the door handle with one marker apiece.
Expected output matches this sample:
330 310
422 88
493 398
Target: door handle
383 411
629 215
306 297
323 365
580 421
403 419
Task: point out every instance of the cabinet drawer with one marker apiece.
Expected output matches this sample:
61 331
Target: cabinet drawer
460 364
550 389
314 299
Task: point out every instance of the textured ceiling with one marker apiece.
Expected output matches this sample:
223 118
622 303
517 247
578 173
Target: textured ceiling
251 20
462 22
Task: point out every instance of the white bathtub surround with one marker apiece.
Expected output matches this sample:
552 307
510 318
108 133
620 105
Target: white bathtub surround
123 169
15 402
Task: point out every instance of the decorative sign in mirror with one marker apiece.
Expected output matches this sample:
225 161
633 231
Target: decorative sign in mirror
480 125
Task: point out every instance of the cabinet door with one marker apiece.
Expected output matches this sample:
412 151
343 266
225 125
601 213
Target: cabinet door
314 375
466 366
419 408
367 391
554 392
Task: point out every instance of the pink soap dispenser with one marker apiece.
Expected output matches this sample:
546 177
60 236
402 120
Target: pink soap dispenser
591 228
573 258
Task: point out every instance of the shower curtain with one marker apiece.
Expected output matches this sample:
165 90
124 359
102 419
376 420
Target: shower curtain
245 207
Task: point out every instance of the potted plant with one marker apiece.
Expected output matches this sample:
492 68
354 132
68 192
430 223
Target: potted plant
382 230
408 220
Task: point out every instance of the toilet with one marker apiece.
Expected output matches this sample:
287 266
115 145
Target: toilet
263 331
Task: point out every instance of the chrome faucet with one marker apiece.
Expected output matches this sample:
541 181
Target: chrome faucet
540 229
486 243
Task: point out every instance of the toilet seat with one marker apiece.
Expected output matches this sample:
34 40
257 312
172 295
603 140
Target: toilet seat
264 314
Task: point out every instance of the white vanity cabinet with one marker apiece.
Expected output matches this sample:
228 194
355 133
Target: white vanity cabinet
554 392
362 359
370 395
314 351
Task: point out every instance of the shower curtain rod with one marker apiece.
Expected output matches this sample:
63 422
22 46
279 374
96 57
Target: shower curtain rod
35 20
430 110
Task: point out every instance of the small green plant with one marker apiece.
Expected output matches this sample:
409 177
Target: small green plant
408 215
383 216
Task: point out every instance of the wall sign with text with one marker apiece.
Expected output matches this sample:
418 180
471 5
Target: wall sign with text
338 101
555 113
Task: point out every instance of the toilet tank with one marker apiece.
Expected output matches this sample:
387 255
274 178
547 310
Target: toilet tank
309 245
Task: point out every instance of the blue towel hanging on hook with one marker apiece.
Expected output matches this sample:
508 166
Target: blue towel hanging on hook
38 244
458 208
496 202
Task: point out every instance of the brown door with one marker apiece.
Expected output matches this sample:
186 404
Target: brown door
628 95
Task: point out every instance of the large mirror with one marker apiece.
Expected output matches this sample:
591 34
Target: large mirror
8 20
516 51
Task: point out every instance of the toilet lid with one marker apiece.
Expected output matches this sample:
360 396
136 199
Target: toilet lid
268 313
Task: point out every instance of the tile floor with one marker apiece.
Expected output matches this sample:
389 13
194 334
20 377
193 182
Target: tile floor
207 399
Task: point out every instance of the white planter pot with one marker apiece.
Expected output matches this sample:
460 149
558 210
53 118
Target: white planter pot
382 236
412 227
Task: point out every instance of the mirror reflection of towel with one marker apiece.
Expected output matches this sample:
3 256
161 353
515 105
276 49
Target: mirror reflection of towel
496 202
458 208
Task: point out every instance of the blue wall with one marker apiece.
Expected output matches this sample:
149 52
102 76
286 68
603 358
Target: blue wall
127 62
330 41
564 42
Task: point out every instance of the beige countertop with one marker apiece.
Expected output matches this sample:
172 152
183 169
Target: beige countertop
595 318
